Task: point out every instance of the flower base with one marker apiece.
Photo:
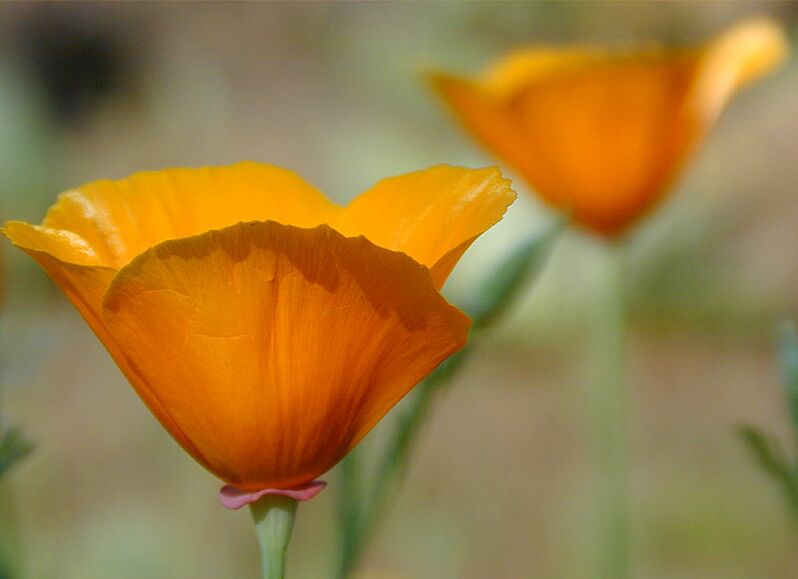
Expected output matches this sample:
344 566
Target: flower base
233 498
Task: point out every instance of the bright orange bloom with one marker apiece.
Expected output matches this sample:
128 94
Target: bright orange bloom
602 135
266 328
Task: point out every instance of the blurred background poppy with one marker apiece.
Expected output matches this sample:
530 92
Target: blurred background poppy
333 91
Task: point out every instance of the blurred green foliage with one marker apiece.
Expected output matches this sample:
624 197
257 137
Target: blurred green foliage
13 448
767 452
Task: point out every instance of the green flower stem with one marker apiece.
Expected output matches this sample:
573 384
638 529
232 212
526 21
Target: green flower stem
608 408
361 512
359 522
788 350
274 521
10 543
350 495
766 450
13 448
773 461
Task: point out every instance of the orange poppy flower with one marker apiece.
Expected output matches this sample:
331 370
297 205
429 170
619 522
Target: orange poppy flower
266 328
602 135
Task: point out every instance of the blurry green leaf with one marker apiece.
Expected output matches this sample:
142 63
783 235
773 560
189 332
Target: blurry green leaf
771 459
501 286
788 342
13 448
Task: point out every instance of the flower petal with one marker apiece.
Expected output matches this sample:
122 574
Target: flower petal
525 66
597 141
72 265
432 215
120 219
601 135
84 284
734 59
64 246
276 349
482 114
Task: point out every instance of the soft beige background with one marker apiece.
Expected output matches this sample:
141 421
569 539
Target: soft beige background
501 487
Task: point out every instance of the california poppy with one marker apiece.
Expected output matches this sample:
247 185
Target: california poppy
267 328
601 135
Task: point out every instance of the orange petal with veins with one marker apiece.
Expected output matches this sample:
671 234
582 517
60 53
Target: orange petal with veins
275 349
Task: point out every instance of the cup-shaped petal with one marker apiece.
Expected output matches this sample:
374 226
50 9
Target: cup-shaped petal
74 268
120 219
432 215
267 348
601 135
274 349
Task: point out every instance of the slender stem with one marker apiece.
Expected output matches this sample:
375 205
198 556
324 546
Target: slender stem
608 403
10 544
395 463
274 521
501 288
359 521
350 512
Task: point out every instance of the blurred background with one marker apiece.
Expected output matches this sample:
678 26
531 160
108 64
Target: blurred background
501 487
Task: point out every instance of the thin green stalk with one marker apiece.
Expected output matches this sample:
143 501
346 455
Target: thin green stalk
361 522
360 512
774 462
10 543
608 408
274 520
766 450
350 495
788 353
13 448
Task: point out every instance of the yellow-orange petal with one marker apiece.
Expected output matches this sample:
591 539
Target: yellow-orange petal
519 68
482 115
70 263
64 246
275 349
596 141
734 59
83 283
602 135
431 215
120 219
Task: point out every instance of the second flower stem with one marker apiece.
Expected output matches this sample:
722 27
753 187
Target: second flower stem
361 506
608 404
359 524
